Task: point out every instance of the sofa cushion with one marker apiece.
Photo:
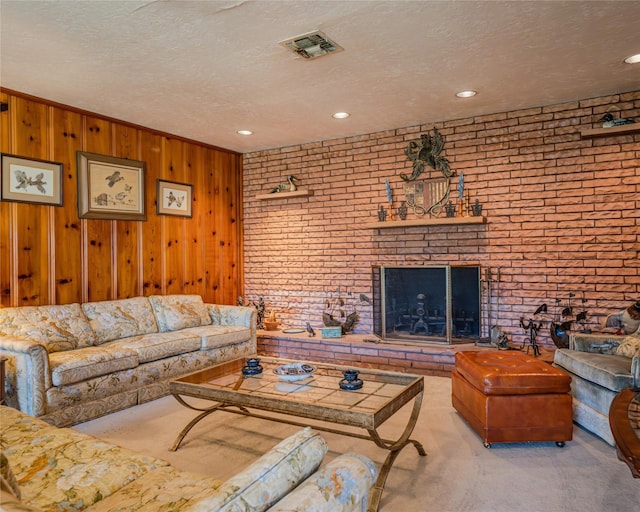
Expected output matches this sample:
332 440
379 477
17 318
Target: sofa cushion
86 363
165 489
510 373
609 371
175 312
77 473
151 347
115 319
268 479
58 328
215 336
629 346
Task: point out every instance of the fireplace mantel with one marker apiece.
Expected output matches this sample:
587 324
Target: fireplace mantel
437 221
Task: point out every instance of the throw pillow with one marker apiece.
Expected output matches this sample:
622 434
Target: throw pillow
175 312
57 327
629 346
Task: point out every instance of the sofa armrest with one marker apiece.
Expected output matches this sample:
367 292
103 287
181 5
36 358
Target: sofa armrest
343 485
27 374
597 343
271 477
222 314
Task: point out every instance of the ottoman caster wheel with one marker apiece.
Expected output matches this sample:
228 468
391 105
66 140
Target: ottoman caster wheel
560 444
486 445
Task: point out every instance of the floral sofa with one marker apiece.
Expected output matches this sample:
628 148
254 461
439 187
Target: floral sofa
600 366
74 362
46 468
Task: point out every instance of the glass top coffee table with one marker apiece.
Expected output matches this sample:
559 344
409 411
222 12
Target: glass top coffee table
316 396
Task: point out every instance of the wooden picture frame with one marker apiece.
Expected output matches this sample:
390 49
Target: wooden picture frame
174 198
29 180
110 188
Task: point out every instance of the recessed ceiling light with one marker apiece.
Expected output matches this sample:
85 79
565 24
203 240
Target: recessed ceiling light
341 115
633 59
245 132
466 94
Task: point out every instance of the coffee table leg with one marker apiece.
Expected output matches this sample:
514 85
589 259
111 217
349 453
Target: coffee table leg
394 447
196 420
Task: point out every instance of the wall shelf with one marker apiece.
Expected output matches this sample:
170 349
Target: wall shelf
591 133
284 195
437 221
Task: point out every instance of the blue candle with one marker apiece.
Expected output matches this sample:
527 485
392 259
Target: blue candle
461 187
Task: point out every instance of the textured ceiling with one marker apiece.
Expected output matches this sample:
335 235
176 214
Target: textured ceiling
204 69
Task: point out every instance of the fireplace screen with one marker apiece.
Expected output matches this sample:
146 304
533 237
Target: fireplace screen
434 303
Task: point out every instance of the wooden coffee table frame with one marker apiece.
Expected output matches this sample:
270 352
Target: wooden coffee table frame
235 400
626 438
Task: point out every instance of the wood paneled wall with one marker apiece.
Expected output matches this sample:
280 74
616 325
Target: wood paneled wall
50 256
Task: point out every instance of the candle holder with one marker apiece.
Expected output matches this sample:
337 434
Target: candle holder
476 208
252 367
382 214
403 210
450 209
351 381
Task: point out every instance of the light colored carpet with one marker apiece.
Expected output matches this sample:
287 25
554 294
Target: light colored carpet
457 475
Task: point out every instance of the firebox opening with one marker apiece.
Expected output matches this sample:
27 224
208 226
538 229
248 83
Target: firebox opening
438 304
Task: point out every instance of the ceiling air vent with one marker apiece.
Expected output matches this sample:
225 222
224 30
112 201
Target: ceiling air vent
312 45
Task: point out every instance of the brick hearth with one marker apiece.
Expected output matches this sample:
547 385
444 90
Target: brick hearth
353 349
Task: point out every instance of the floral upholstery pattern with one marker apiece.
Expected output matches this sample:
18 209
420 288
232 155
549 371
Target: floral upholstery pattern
213 336
86 363
174 312
342 484
267 480
62 469
60 369
151 347
115 319
163 490
8 482
27 374
56 327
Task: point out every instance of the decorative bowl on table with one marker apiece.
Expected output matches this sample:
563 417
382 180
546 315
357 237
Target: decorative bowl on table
294 371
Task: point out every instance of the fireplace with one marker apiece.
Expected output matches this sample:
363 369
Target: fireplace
438 304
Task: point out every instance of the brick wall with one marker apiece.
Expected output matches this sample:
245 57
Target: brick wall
563 214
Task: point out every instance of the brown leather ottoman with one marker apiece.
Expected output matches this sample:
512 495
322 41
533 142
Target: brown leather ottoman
509 397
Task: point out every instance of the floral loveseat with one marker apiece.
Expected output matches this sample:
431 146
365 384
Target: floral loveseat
46 468
74 362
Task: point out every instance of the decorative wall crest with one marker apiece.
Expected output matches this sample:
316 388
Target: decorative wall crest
427 151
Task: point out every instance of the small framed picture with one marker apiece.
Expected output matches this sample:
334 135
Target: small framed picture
174 198
110 188
27 180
